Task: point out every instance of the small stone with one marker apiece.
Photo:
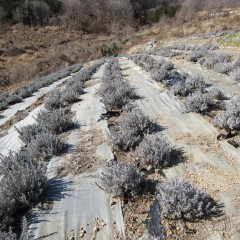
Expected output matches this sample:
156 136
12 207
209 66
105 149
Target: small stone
82 233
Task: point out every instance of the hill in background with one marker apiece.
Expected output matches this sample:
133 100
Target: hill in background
40 37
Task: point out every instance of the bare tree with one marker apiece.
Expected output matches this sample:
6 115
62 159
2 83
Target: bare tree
97 16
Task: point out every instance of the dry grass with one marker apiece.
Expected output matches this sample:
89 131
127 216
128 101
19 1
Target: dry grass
84 158
174 30
26 53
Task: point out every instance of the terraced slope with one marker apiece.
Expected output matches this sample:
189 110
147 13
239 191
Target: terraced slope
77 206
211 165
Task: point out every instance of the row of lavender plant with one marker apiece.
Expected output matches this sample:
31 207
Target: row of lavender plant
134 132
197 97
23 174
28 89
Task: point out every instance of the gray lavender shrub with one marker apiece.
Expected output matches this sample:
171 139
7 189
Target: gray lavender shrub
114 100
198 102
159 68
195 56
180 89
54 101
57 121
188 84
235 73
180 200
14 98
229 119
115 92
223 68
29 132
23 182
134 124
28 89
76 86
137 120
159 75
215 93
45 145
7 209
70 95
195 82
154 151
165 52
3 104
125 139
120 178
24 229
213 59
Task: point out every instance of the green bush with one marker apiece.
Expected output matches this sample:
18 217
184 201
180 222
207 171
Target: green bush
31 11
55 5
34 12
9 6
156 14
107 50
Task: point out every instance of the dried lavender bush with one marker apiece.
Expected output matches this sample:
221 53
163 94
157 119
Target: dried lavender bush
215 93
165 52
180 200
23 182
134 124
45 145
236 74
223 68
54 101
29 132
70 95
159 68
195 56
195 82
115 92
159 75
24 229
28 89
198 102
154 151
137 120
120 178
75 85
7 210
213 59
125 139
180 89
229 119
188 84
3 104
14 98
57 121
